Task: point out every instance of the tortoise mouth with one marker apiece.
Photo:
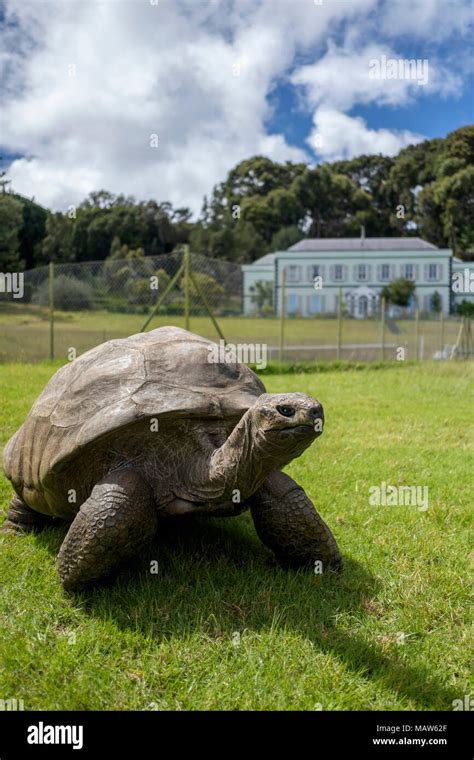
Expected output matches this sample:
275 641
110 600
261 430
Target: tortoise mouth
299 430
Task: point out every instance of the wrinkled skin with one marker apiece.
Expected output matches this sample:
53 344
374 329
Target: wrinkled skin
88 453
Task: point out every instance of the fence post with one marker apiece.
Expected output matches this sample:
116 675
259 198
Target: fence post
186 287
282 313
441 336
161 299
417 334
339 323
51 308
382 327
203 296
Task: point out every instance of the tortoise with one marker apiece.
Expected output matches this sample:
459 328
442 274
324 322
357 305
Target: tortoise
150 426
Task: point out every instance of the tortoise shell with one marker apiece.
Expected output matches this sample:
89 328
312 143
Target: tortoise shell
164 372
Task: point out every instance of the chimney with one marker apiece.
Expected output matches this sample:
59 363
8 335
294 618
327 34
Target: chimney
362 235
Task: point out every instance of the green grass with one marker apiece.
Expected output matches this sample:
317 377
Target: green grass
220 627
24 333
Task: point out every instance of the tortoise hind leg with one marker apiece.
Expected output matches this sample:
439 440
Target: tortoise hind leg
116 521
22 519
287 522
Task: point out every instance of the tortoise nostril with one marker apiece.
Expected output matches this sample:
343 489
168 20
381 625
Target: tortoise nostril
316 411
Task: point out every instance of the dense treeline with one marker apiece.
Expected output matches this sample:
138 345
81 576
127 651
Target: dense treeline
426 190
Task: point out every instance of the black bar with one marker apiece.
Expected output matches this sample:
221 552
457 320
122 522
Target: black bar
154 734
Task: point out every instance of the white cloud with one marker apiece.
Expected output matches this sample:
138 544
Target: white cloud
338 136
431 19
343 77
169 69
100 78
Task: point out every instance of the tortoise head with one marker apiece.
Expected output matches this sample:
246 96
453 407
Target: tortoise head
275 429
285 424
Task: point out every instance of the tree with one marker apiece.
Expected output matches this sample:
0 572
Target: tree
32 231
465 308
57 245
215 241
213 290
124 265
329 201
11 220
436 302
262 296
399 292
257 176
285 238
70 294
371 176
247 244
4 181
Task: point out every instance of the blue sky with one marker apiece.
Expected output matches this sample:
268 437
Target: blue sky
161 100
430 116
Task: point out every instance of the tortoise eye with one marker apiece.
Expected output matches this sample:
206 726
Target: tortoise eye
286 411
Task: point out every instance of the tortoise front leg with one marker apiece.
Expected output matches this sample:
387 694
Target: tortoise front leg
117 520
287 522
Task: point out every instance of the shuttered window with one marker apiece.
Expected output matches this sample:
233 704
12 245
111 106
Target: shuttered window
434 272
293 273
314 303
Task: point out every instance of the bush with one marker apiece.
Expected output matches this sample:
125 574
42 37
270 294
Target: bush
69 294
465 308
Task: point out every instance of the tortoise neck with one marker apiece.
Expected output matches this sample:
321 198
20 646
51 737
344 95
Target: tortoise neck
242 463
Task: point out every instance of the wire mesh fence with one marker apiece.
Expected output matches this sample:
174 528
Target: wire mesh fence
63 310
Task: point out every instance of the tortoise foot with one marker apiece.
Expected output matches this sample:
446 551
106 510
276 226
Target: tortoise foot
287 522
22 519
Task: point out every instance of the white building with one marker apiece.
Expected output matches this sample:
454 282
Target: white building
318 270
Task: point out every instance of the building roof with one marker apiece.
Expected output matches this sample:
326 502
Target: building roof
362 244
266 260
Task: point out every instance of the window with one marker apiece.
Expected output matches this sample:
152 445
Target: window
292 273
385 272
361 272
338 272
408 271
291 303
315 271
432 271
315 303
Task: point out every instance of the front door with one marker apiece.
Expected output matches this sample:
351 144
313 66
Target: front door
363 306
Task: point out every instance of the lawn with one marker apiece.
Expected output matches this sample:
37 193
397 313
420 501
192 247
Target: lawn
219 626
24 333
